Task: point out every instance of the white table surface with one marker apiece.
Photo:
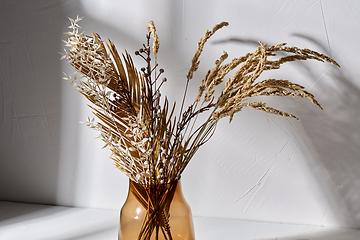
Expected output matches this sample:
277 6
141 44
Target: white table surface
19 221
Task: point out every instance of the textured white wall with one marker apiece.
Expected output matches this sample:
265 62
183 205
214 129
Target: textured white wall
259 167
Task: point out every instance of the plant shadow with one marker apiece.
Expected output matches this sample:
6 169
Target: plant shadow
333 135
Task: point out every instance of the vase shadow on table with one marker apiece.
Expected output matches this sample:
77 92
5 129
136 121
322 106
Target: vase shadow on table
330 235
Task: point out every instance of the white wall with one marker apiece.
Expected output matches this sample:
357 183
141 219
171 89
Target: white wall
259 167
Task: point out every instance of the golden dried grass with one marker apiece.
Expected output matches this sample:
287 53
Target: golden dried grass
150 144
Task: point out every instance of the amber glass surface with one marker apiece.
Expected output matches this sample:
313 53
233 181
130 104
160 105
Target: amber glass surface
168 217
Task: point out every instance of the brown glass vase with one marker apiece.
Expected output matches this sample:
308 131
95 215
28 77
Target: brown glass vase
156 212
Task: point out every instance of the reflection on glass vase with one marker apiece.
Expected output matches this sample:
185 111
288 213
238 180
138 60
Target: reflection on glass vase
156 212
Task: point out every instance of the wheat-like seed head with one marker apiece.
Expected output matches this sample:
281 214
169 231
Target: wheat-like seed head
195 60
156 43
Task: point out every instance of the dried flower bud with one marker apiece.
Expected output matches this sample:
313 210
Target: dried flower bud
137 53
143 69
161 70
164 79
141 50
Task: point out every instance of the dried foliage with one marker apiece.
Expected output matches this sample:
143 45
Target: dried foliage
149 143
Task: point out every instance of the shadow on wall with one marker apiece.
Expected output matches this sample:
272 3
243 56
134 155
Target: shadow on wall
335 137
30 74
237 40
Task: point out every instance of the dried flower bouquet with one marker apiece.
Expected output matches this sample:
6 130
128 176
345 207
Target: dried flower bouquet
149 142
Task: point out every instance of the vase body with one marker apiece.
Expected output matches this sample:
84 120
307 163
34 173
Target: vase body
156 212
